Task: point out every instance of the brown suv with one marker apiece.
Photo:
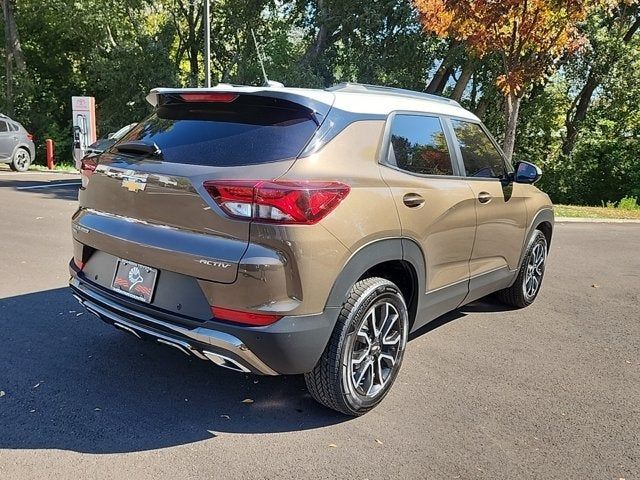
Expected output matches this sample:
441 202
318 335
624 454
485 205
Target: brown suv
294 231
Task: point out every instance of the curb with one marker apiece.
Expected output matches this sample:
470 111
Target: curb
594 220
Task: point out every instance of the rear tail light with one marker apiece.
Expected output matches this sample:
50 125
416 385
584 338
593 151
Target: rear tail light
30 136
244 318
87 167
284 202
79 264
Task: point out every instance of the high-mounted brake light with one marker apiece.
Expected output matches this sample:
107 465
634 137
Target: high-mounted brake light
285 202
245 318
205 97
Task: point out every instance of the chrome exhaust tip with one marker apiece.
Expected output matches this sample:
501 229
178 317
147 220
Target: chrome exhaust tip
226 362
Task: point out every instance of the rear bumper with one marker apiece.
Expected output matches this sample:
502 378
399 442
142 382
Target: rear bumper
292 345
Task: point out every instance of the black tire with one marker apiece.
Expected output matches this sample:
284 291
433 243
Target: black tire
332 381
12 167
21 160
521 294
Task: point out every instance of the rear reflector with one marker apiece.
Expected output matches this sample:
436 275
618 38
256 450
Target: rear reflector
244 318
30 136
215 97
285 202
79 265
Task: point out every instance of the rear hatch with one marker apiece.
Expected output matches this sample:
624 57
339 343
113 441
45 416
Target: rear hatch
144 199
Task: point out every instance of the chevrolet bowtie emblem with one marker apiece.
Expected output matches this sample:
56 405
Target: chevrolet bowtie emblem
134 183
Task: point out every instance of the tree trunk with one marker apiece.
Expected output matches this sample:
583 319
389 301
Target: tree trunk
463 81
11 35
320 44
512 109
481 108
441 77
572 123
583 101
13 52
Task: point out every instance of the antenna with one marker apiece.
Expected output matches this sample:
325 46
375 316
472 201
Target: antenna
264 72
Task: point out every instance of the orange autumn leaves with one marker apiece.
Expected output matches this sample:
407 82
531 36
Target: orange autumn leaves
528 35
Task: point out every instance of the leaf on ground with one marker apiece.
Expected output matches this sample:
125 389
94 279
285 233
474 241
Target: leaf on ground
225 416
97 409
332 445
247 400
36 385
379 441
595 285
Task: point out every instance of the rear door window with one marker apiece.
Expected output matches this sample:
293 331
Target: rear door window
3 126
480 156
418 145
249 130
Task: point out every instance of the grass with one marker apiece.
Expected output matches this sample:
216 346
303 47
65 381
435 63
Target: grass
596 212
61 167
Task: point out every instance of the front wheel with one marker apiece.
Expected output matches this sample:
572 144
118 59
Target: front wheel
529 280
365 351
21 160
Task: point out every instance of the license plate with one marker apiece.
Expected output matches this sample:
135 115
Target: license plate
134 280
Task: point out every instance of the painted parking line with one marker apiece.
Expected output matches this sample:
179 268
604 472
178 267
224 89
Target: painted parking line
50 185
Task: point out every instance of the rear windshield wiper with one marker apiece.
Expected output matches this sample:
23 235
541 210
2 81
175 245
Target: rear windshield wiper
137 146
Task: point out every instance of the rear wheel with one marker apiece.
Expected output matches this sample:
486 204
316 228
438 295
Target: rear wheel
527 285
365 351
21 160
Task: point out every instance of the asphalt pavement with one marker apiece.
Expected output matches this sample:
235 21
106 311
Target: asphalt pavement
551 391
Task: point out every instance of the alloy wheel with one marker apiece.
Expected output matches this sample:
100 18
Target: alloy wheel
376 349
535 270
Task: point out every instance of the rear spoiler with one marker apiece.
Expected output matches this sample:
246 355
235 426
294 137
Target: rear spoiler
318 101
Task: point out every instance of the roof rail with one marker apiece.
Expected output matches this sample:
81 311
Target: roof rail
379 89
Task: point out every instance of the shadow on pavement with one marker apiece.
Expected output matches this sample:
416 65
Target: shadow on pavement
71 382
64 188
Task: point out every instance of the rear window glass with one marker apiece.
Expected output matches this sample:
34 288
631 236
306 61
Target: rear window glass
248 131
418 145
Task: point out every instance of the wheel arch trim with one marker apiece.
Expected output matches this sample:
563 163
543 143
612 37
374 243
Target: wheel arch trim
372 254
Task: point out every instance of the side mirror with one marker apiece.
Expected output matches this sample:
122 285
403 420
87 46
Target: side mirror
527 173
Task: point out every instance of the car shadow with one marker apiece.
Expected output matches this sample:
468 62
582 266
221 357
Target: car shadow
71 382
63 189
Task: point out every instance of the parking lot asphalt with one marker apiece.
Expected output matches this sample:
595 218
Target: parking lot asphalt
551 391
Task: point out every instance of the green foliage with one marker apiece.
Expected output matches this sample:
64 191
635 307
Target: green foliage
628 203
117 50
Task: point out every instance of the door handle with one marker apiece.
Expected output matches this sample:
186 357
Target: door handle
413 200
484 197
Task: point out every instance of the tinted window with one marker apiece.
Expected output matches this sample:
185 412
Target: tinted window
480 156
418 145
3 126
13 127
248 131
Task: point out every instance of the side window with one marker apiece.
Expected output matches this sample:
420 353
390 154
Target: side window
418 145
13 127
480 157
3 126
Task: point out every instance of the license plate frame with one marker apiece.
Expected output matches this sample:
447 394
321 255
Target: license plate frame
138 284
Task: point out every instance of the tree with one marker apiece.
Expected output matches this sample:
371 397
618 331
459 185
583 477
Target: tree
611 32
13 51
528 35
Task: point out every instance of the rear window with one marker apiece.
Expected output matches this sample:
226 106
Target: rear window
247 131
